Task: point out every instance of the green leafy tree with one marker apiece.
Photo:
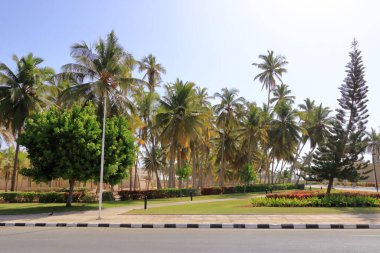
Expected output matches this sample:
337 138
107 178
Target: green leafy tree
183 173
67 144
248 174
341 156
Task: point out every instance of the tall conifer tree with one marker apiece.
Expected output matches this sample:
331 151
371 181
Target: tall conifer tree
341 156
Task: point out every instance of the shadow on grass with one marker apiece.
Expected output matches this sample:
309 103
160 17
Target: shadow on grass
25 209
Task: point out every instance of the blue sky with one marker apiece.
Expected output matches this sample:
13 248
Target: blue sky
210 42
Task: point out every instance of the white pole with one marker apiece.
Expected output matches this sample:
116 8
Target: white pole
102 160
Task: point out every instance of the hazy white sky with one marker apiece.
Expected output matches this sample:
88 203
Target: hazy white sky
211 42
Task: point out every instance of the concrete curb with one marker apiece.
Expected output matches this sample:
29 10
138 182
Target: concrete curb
211 226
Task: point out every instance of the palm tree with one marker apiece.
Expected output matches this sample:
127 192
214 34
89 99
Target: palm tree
284 134
253 132
272 69
374 147
22 93
101 73
281 92
318 124
308 106
180 119
226 113
152 71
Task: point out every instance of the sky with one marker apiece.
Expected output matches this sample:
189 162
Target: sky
210 42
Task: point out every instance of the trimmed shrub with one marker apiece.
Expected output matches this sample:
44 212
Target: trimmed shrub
318 199
45 197
156 194
10 197
320 194
108 196
172 193
211 191
53 197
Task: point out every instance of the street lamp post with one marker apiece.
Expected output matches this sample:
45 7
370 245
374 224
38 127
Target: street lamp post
102 156
374 165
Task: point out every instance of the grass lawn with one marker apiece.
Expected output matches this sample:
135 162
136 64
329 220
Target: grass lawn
243 206
34 208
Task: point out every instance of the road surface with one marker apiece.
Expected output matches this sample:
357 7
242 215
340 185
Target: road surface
96 240
346 188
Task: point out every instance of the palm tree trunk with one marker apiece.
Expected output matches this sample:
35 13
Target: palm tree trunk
199 169
193 158
15 164
269 90
130 178
157 179
221 171
179 162
171 165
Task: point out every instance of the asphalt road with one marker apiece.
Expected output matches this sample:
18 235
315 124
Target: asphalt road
96 240
346 188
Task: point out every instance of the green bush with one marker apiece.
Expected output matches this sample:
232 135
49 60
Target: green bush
335 200
156 194
45 197
52 197
108 196
10 197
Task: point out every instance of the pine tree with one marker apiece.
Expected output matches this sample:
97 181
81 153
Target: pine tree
341 156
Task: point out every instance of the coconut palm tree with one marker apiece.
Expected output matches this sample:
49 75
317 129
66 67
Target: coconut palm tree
253 132
21 93
284 134
100 73
272 69
152 71
180 119
373 148
282 92
226 119
318 124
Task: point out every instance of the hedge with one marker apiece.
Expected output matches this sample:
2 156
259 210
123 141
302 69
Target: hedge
172 193
250 188
320 194
45 197
156 194
336 200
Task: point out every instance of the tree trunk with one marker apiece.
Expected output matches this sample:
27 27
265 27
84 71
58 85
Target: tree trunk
200 169
70 197
6 180
130 178
329 187
221 171
15 164
135 181
171 165
193 158
158 179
